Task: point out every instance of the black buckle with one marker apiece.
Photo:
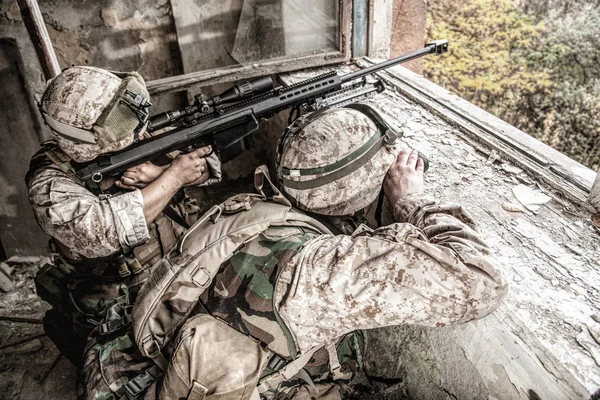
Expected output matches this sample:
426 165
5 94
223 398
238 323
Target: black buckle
139 106
114 325
138 385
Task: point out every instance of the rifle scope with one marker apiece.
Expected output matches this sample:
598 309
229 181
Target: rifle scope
239 92
235 93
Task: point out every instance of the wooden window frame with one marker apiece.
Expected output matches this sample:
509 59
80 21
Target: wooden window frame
234 73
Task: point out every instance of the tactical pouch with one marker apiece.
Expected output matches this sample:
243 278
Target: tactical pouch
113 367
51 282
211 359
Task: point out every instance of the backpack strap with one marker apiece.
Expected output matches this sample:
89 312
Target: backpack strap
273 381
260 175
137 386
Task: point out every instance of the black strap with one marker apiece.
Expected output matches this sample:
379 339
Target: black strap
136 387
175 217
379 208
115 325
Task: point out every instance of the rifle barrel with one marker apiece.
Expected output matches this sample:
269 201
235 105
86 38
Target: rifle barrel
438 46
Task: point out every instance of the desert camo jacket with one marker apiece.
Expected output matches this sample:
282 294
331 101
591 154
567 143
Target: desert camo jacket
429 268
82 222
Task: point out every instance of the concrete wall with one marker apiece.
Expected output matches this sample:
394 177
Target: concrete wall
120 35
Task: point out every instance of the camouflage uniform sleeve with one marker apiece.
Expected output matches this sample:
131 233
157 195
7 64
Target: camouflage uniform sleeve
447 227
87 225
431 269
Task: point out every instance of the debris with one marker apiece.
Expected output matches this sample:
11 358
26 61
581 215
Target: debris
31 346
26 259
512 207
110 17
530 198
493 157
18 342
7 269
450 142
596 220
595 333
578 290
20 319
542 274
13 12
6 282
511 169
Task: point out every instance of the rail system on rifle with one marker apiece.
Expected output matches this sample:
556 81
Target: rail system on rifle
226 121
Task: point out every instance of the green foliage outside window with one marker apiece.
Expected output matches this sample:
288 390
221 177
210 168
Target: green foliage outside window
537 66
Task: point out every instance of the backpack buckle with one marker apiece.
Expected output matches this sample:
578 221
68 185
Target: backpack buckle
237 203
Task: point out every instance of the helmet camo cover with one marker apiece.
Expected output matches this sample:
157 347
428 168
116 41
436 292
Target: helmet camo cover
333 161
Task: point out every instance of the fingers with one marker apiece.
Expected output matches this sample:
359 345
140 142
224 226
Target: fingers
121 185
202 151
411 162
131 173
420 165
402 158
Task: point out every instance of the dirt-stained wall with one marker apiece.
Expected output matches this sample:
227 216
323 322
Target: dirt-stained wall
121 35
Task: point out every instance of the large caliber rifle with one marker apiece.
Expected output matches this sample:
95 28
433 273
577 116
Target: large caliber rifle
226 121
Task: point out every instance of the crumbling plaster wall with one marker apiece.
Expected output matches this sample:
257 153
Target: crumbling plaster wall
120 35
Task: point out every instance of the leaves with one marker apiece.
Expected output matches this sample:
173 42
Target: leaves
537 71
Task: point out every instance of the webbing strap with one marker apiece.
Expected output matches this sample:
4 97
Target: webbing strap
197 391
336 165
261 173
136 387
72 133
115 325
151 348
334 363
274 380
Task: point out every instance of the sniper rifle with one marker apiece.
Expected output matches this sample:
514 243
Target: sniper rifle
227 120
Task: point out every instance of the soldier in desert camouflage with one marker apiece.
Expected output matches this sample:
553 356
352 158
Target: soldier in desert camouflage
107 236
257 295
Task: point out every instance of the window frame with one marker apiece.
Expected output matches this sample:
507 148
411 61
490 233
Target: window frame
235 73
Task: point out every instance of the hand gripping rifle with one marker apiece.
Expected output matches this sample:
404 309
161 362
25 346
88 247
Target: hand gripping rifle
227 120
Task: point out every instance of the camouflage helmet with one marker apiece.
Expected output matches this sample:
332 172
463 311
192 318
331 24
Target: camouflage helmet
92 111
333 161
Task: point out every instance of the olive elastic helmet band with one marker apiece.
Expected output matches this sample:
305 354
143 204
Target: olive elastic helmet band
333 161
